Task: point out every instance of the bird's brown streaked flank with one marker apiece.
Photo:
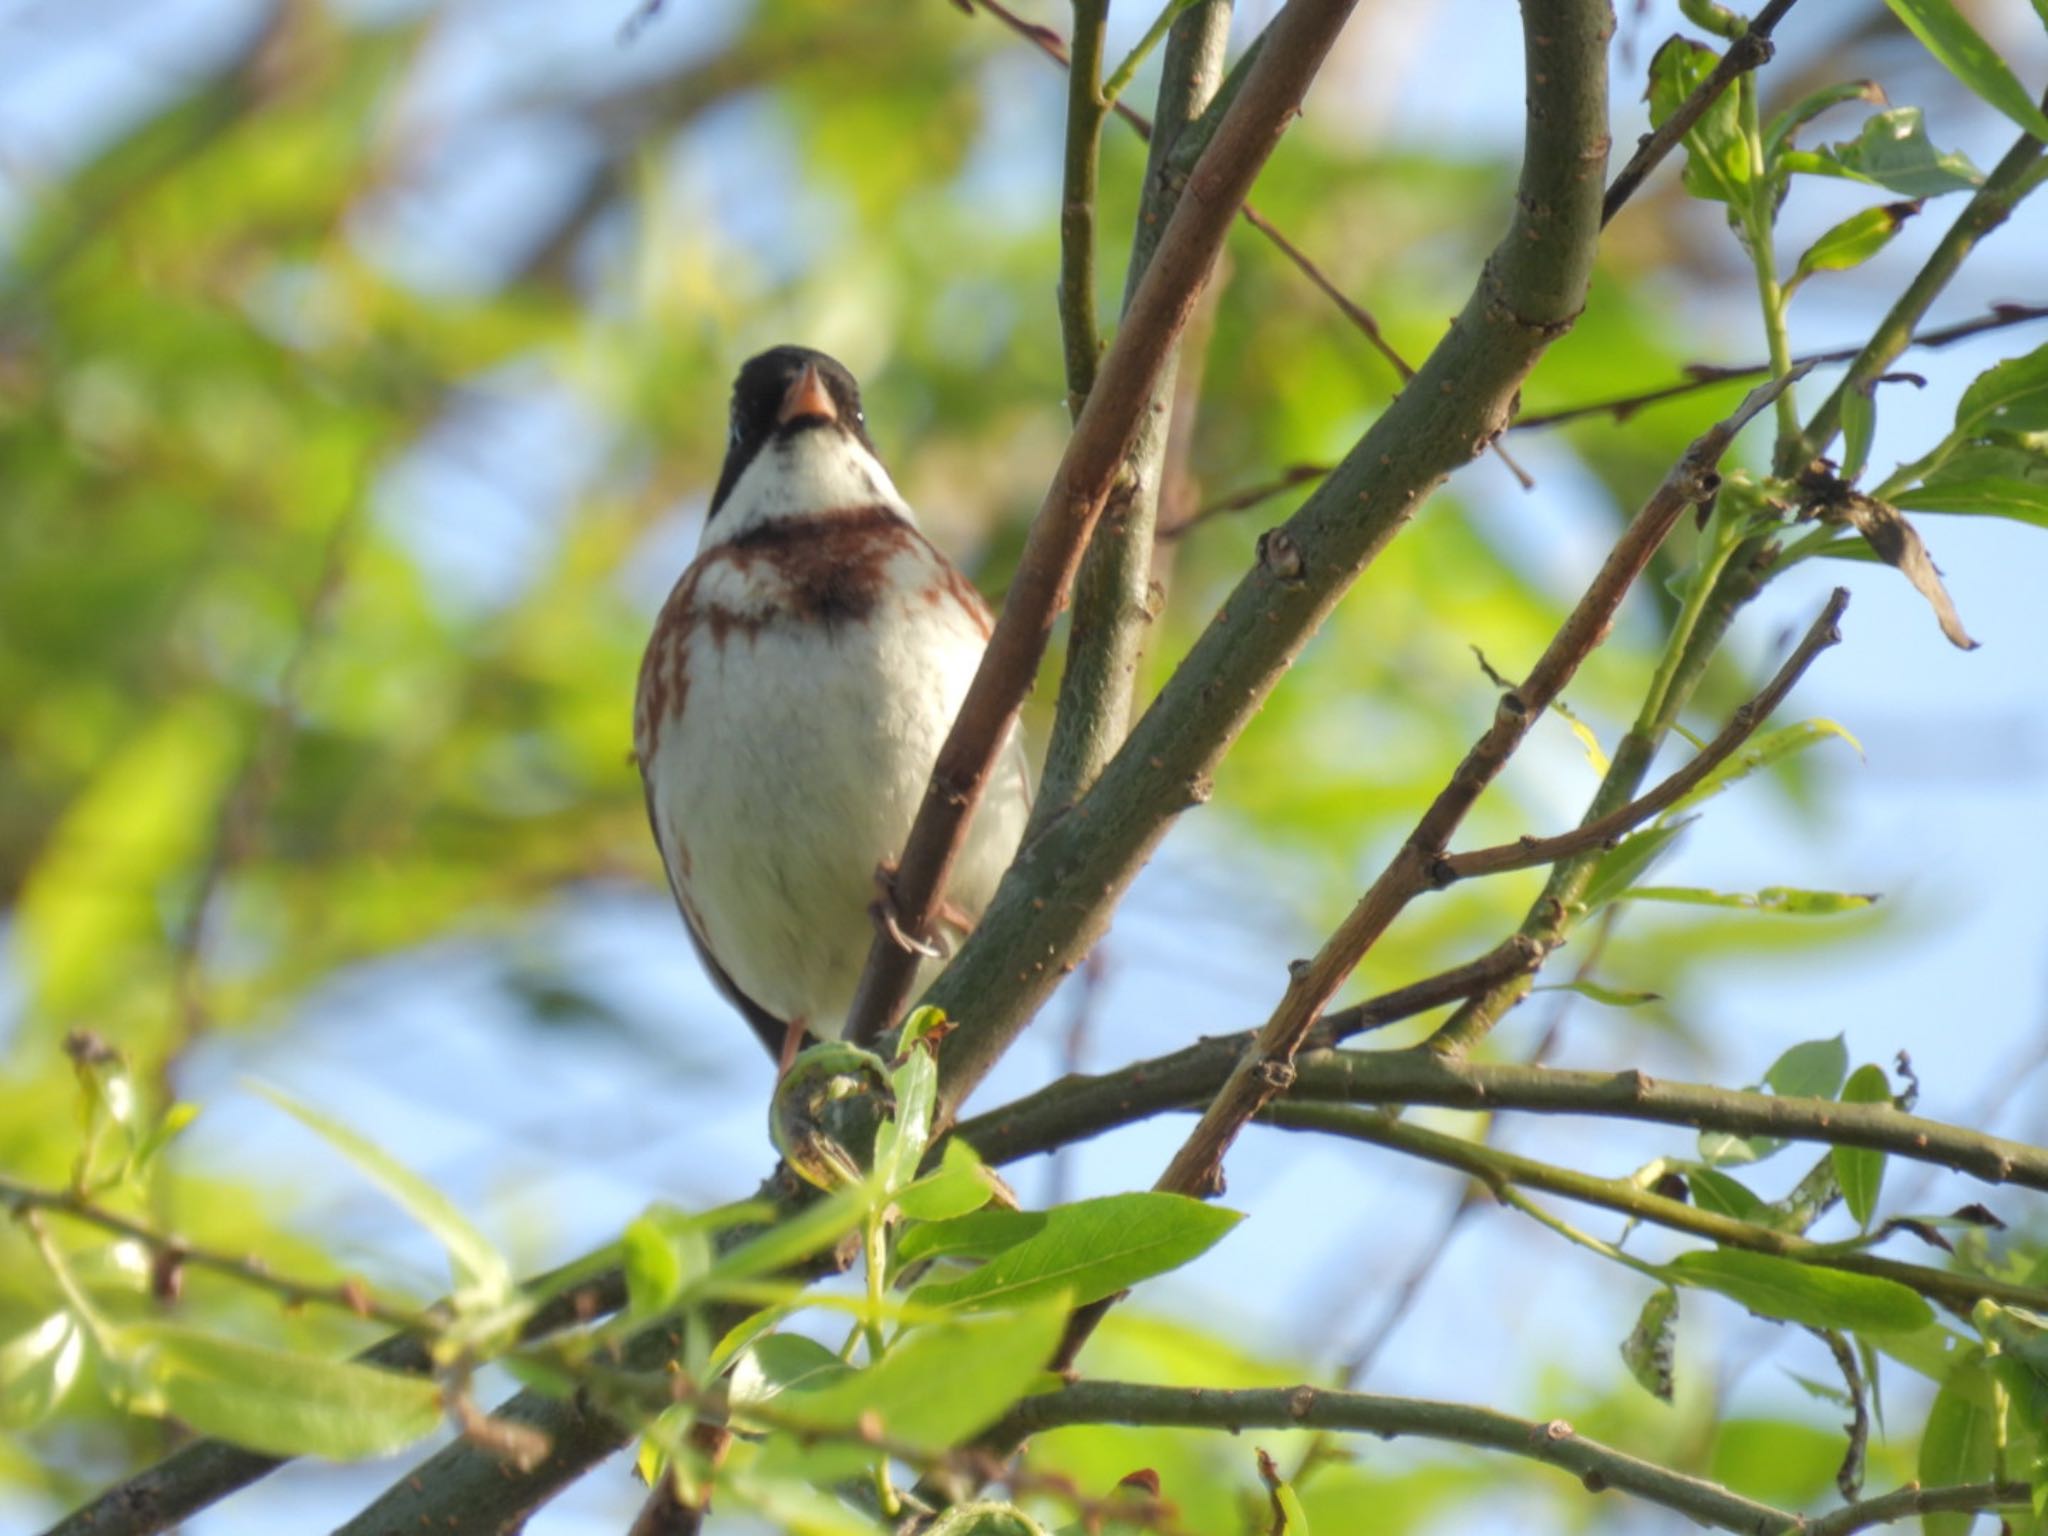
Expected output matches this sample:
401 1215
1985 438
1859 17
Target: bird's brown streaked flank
799 682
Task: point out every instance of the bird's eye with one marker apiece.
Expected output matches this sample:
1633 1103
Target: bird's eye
860 418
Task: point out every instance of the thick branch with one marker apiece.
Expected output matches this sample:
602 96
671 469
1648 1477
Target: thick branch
1750 51
1056 899
1598 1467
1295 45
1603 831
1268 1067
1111 606
1500 1170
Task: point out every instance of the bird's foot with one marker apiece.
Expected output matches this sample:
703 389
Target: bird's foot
883 910
793 1036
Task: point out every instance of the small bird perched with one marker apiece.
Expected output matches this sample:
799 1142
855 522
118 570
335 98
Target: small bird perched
794 695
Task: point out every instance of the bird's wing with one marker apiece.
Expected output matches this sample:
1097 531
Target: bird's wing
764 1024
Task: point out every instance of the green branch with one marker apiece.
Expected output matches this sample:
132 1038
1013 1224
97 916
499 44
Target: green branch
1086 110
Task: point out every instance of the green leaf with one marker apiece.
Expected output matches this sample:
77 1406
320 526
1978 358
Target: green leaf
960 1184
1959 1443
979 1235
1716 154
1612 997
1852 242
899 1146
936 1387
2011 396
1775 898
1088 1250
980 1517
37 1369
654 1270
1860 1170
1762 752
811 1230
1963 53
1778 134
272 1401
1799 1293
1715 1191
1893 152
478 1266
1623 864
1647 1351
1812 1069
778 1363
1989 479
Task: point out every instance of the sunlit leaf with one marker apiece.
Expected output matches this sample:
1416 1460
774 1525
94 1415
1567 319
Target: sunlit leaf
1783 125
276 1402
1803 1293
960 1184
654 1269
1851 243
477 1264
37 1369
1716 157
1774 898
1761 752
778 1363
1893 152
1964 53
1625 863
1089 1250
978 1235
1612 997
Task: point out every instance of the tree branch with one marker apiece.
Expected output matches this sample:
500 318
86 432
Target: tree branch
1111 594
1903 1503
1079 329
1598 1467
1076 1108
1602 831
1500 1170
1268 1066
1750 51
1295 45
1056 898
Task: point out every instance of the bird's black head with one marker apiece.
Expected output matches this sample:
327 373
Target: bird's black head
784 391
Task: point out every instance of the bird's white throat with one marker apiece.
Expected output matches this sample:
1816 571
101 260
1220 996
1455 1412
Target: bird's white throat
813 472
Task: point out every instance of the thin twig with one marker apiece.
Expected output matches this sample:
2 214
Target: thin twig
351 1296
1296 44
1750 51
1604 831
1268 1067
1079 329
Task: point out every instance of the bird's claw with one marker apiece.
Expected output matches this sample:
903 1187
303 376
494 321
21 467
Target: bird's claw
883 911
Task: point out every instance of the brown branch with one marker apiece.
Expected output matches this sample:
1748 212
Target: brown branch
1049 43
1750 51
1711 375
1079 329
1604 831
1268 1067
1295 45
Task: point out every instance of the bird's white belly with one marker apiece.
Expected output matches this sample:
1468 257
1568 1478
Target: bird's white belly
795 768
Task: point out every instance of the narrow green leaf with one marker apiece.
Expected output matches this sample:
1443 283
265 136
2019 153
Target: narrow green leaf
1089 1250
979 1235
1648 1349
1798 1293
1963 53
1622 865
1715 1191
1860 1170
1762 752
811 1230
1959 1444
899 1147
654 1270
960 1184
1893 152
272 1401
1612 997
1776 898
37 1369
1812 1069
936 1387
1778 134
1852 242
2011 396
1716 155
1859 427
478 1265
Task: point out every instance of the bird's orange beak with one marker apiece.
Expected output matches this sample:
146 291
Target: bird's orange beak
807 397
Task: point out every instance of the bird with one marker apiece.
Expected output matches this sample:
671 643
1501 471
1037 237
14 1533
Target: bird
798 684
